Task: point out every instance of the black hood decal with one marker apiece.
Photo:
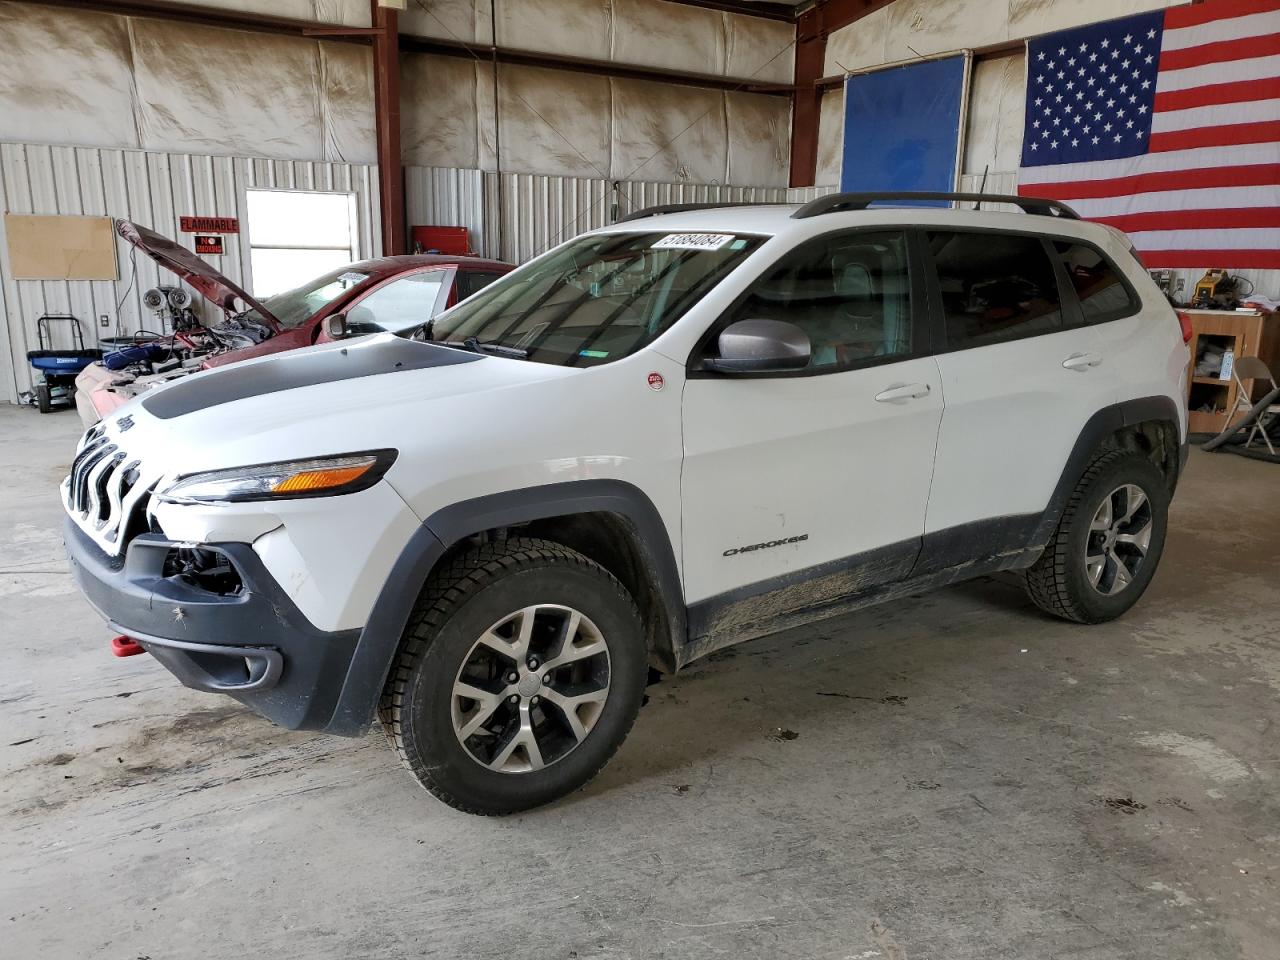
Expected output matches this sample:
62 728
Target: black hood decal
305 368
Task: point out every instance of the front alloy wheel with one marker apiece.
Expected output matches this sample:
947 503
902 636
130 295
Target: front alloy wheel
531 689
521 671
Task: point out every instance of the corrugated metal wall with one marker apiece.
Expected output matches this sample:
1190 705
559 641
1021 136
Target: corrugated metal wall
155 189
538 212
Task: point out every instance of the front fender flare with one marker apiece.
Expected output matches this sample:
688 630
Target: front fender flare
380 638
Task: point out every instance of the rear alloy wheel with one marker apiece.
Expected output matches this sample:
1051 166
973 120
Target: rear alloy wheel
521 672
1119 539
1108 541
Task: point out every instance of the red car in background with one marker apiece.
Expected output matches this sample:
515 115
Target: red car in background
386 294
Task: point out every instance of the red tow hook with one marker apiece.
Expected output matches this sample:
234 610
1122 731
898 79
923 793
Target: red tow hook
126 647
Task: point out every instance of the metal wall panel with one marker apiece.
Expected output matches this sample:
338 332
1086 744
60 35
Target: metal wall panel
518 216
154 189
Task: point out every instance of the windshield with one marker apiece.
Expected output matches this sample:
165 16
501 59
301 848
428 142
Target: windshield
597 299
294 306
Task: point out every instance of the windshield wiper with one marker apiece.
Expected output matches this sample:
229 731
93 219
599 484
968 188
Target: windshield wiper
475 345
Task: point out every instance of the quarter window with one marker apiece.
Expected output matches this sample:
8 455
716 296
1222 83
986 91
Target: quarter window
850 293
995 287
1102 294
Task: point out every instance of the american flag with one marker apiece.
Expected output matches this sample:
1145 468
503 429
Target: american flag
1166 125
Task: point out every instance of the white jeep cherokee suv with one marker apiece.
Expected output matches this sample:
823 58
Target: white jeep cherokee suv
687 429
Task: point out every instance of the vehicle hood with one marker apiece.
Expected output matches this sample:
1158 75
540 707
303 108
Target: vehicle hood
377 391
198 273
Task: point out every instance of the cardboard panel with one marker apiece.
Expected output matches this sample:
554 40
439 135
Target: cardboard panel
60 248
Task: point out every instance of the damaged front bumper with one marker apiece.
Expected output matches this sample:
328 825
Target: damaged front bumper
252 644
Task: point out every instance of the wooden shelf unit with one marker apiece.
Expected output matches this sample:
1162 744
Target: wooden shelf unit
1246 335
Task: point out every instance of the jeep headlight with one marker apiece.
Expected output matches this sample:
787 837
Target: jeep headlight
289 479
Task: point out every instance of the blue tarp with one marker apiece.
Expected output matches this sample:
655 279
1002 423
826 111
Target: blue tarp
902 127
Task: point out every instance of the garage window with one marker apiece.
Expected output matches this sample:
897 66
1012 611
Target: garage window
297 235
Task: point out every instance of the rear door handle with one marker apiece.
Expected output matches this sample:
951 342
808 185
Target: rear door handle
903 391
1081 361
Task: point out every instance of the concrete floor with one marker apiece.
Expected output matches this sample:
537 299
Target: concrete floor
953 777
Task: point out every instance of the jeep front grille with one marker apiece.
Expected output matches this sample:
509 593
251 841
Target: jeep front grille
104 493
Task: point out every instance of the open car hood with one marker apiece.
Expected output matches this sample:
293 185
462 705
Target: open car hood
211 284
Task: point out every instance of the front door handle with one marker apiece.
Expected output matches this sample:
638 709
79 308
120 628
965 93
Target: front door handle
903 391
1081 361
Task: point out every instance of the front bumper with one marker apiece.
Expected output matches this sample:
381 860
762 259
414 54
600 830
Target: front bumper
255 645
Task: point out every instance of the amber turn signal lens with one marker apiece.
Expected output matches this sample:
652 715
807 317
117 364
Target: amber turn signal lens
310 480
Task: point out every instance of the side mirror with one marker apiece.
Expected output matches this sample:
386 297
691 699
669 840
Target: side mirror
335 326
760 346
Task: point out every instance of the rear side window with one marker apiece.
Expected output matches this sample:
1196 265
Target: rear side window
471 281
1102 294
995 287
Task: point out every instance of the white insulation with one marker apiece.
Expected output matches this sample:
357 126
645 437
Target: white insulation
86 78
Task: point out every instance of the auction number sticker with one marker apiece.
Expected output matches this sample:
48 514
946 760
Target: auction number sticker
693 241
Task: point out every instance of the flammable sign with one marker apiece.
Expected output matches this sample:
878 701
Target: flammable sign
209 244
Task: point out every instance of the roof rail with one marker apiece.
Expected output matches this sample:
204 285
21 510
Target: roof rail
683 207
837 202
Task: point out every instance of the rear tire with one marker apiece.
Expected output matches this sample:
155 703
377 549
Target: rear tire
44 398
531 734
1107 544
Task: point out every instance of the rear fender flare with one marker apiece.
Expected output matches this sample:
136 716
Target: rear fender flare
1097 429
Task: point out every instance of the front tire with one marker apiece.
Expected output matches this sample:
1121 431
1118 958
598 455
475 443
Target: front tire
521 672
1107 544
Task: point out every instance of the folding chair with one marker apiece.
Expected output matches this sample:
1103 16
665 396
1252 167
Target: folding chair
1253 369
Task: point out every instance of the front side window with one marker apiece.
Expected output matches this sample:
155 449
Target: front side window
1102 294
850 294
400 305
995 287
597 299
